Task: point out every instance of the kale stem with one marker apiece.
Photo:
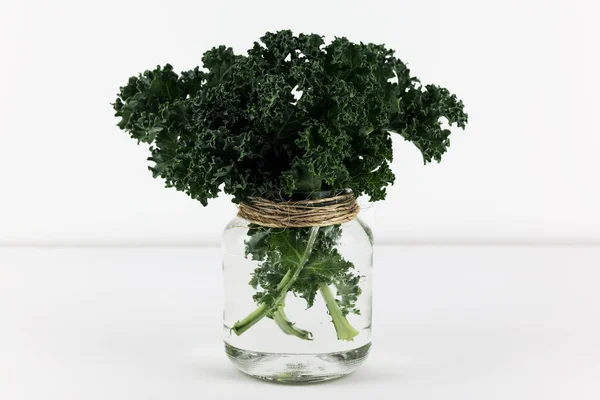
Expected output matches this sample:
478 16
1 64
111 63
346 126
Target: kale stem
284 280
287 326
245 324
344 330
283 287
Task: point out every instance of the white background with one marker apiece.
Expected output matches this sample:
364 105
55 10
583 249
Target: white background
450 322
526 169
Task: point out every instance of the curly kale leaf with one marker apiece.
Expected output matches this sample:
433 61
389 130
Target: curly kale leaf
292 115
419 119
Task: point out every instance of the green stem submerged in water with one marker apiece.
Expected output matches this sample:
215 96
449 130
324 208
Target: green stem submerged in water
304 257
344 330
287 326
283 287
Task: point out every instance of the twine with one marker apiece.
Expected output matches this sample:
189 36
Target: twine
301 214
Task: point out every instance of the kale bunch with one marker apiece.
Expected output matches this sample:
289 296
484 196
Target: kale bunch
293 115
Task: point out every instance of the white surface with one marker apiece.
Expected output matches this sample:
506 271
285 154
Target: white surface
450 323
525 170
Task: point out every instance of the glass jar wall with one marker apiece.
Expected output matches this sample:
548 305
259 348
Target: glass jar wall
297 300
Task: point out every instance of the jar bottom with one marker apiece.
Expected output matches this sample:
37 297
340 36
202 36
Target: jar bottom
297 368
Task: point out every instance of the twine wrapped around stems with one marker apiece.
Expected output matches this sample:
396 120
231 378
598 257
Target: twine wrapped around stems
301 214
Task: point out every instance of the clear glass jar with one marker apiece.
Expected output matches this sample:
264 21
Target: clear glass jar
290 340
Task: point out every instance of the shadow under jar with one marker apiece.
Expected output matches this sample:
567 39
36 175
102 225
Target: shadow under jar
297 300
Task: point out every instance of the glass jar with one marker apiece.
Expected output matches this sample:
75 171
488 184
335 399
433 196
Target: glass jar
316 328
